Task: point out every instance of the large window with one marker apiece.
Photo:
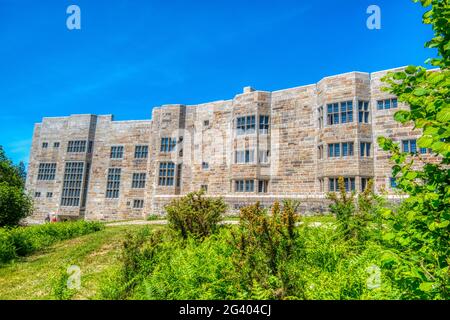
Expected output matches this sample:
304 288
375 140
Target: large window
113 183
76 146
168 144
72 183
364 149
363 111
245 125
409 146
116 152
138 181
141 152
387 104
264 124
245 156
334 184
166 173
244 185
46 171
340 113
344 149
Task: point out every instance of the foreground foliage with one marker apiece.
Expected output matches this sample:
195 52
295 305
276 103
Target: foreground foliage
419 232
21 241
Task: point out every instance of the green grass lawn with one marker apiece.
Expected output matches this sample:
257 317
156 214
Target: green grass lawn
32 277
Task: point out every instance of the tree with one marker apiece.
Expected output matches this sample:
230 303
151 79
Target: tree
15 204
419 234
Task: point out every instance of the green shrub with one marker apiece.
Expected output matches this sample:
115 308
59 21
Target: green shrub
195 215
25 240
14 204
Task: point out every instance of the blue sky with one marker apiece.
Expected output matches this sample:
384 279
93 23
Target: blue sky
130 56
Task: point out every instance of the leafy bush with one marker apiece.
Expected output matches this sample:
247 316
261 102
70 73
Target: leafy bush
195 215
14 204
21 241
419 232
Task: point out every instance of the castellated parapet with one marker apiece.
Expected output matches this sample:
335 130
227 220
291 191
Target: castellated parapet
259 146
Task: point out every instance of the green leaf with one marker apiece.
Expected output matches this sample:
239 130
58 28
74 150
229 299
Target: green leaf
410 69
426 286
388 236
420 92
425 141
444 115
402 116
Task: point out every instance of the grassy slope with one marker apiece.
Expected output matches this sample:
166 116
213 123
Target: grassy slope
95 254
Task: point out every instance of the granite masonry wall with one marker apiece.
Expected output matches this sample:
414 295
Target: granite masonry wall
222 147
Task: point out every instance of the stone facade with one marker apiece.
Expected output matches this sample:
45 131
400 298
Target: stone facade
259 146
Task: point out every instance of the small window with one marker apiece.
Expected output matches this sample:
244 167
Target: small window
320 117
263 186
204 187
76 146
138 204
168 144
205 165
320 152
90 146
393 183
264 124
425 151
334 150
387 104
116 152
138 181
244 186
334 184
141 152
347 149
56 145
332 114
364 183
44 145
346 112
364 149
363 111
49 194
37 194
409 146
206 123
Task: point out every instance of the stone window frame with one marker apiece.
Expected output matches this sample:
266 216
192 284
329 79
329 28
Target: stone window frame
264 124
37 194
350 184
72 184
138 203
336 111
116 152
264 157
168 144
49 194
263 186
113 183
246 125
56 144
387 104
141 151
244 186
76 146
138 180
166 174
44 145
46 171
363 111
244 154
365 149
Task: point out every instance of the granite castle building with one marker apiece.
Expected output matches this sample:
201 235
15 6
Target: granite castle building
259 146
